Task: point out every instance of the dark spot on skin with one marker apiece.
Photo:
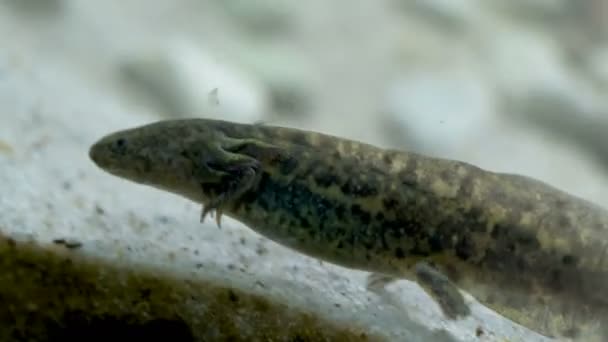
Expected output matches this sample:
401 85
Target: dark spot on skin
419 250
564 221
339 210
495 260
569 260
435 243
325 180
399 254
527 207
465 248
499 195
261 200
384 243
298 338
339 232
282 220
465 189
325 143
287 165
496 231
513 239
387 159
348 149
304 223
408 176
358 189
521 264
555 280
526 239
395 229
145 294
447 175
390 203
312 234
299 138
409 182
571 332
560 204
472 217
364 216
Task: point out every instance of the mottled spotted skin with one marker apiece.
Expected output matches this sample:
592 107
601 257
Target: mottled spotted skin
531 252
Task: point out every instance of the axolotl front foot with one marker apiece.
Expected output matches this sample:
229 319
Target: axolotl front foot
438 286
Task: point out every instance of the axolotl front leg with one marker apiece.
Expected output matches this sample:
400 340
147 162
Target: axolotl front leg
434 283
238 172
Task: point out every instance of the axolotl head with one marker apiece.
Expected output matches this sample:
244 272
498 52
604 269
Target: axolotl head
188 157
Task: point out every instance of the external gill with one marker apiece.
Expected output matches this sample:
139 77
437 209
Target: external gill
238 172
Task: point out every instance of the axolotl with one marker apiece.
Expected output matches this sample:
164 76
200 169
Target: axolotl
531 252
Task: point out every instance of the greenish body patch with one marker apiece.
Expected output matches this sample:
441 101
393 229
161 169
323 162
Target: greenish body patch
523 248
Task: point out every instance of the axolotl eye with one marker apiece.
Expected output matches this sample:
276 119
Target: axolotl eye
119 145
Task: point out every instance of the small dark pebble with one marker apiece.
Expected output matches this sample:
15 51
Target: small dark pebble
66 185
261 249
260 284
163 219
145 294
71 244
479 331
99 210
232 296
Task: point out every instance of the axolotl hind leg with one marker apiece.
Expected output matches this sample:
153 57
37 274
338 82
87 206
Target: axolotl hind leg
438 286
